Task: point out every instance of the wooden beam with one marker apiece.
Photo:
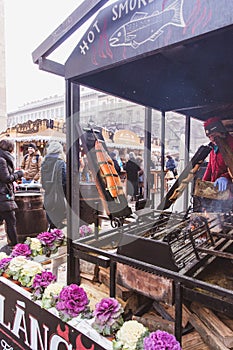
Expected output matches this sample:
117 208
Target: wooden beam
214 324
212 341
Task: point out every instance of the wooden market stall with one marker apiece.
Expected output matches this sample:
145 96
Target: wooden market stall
168 55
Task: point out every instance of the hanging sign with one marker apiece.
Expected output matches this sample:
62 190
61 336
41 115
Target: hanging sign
130 28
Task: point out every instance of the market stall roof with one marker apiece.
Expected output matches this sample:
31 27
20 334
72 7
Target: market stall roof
170 55
45 135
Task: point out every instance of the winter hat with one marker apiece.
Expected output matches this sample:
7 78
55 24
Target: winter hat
54 147
32 145
131 155
112 155
213 125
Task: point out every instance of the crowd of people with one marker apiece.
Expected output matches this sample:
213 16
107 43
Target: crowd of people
50 172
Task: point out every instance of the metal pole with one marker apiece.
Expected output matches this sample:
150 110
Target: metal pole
72 175
147 153
186 158
162 153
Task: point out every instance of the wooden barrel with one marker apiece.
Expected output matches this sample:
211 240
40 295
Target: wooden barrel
90 202
30 215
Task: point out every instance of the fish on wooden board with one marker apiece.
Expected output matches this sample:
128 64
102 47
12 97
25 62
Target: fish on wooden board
108 172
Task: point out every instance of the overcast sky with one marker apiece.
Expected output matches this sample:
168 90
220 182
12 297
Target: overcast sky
27 24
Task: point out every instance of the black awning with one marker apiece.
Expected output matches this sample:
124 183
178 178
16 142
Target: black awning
182 61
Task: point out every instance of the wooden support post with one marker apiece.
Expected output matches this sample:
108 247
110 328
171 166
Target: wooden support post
178 311
112 279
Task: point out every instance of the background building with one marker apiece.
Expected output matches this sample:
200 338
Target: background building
31 121
3 114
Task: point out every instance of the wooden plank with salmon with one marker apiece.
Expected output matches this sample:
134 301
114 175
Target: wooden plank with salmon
108 182
108 172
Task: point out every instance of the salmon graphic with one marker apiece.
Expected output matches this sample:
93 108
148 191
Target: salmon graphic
143 27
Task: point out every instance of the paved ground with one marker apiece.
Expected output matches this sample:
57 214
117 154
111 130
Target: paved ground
2 236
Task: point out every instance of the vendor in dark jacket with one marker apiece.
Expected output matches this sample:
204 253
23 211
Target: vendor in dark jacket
7 202
53 180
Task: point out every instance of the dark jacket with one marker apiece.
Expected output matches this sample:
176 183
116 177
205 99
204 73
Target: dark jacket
53 180
7 177
170 164
117 166
132 169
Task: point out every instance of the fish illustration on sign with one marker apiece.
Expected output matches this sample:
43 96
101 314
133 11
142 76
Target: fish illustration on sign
143 27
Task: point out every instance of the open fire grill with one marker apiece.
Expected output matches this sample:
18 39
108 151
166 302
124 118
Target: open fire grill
175 249
173 241
179 242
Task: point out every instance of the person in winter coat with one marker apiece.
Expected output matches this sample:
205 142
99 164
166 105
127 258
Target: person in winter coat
139 161
7 202
53 180
171 165
116 164
132 168
32 164
216 170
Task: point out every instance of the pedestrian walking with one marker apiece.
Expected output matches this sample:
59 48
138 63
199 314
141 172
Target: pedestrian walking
8 176
53 180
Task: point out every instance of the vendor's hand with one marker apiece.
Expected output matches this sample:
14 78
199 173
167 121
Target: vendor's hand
221 182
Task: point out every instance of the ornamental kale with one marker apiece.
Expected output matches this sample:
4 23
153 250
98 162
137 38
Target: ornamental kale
21 249
85 230
3 264
129 335
161 340
50 296
108 316
35 246
72 301
29 270
40 282
51 241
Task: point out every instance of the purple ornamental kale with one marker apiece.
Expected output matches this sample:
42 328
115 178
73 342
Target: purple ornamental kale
47 238
72 301
40 282
21 249
3 264
107 311
43 279
85 230
108 316
161 340
59 236
51 239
